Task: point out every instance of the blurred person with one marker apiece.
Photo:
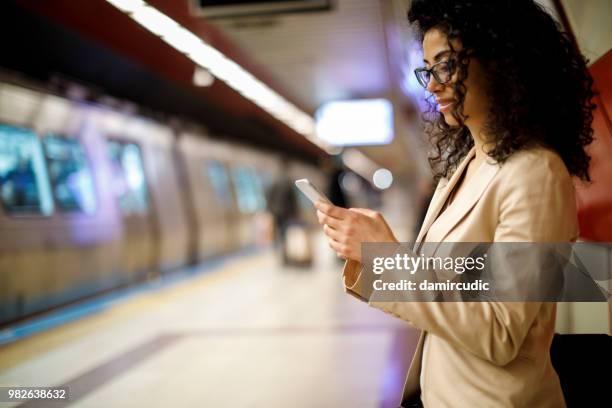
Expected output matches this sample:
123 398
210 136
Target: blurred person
283 205
335 192
509 119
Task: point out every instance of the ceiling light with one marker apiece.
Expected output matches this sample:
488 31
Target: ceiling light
382 178
361 164
218 65
158 23
202 77
128 6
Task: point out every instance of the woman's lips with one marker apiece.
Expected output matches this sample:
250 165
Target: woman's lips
445 105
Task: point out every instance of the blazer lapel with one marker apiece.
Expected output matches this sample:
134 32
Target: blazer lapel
441 194
462 204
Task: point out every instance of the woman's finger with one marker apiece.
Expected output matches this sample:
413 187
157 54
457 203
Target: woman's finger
331 210
344 251
336 246
365 211
334 234
325 219
341 248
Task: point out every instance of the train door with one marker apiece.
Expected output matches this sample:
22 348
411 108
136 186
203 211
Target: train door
220 202
171 229
132 198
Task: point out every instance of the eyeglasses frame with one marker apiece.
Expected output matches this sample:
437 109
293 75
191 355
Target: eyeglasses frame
432 72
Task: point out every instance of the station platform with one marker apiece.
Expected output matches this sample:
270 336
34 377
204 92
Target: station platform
243 332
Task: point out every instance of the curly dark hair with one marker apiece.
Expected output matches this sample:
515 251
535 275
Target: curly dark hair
537 81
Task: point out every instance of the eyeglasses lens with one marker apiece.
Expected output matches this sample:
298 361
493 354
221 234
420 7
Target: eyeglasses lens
423 78
442 73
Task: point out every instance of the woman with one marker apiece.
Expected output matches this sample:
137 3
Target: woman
510 119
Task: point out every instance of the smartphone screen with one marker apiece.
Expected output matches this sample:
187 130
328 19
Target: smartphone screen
310 191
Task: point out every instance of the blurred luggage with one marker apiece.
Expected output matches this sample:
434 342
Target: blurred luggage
298 245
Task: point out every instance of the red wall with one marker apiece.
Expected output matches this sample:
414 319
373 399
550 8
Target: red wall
595 199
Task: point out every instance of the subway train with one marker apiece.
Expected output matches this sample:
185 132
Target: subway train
94 198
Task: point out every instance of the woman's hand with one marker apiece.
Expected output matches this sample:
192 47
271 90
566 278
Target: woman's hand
347 229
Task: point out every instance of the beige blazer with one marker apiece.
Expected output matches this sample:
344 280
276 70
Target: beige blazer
488 354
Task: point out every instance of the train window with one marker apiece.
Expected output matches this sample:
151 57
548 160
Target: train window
71 178
220 181
260 185
24 186
129 181
249 190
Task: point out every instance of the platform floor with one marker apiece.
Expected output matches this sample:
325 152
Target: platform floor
246 334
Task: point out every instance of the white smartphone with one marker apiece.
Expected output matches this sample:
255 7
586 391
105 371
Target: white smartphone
310 191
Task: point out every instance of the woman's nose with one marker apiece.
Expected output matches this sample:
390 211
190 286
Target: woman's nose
433 85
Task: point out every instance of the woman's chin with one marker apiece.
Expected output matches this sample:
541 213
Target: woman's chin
450 119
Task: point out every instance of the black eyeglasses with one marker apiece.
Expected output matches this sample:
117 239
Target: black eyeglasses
442 72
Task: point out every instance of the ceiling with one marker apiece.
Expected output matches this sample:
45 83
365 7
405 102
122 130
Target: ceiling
346 52
321 56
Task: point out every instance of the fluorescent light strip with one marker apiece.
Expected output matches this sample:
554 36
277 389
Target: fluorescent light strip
221 67
361 164
128 6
